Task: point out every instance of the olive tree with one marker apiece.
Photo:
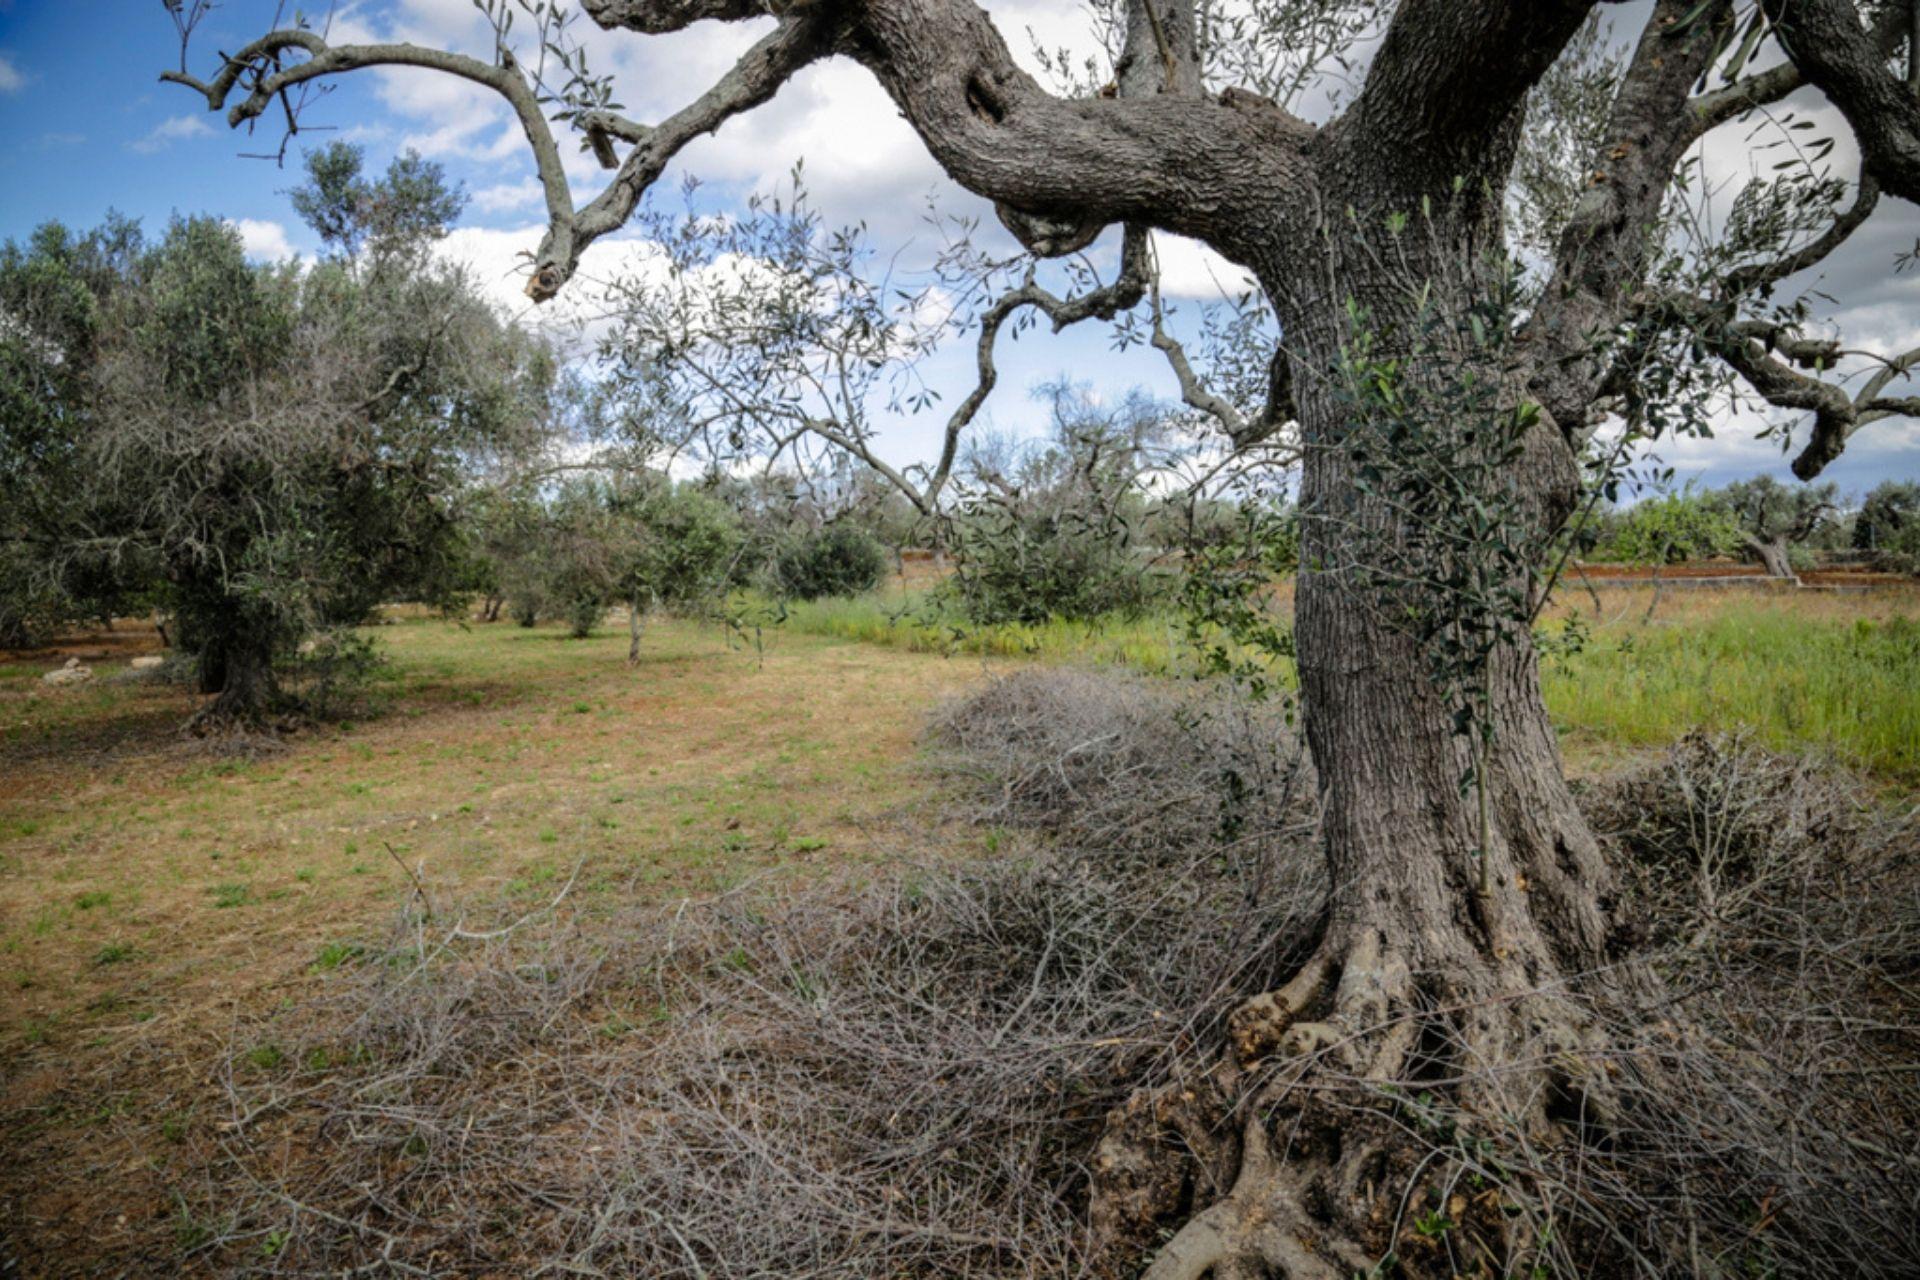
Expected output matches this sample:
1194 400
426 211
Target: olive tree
1775 518
1443 411
286 445
1892 508
59 559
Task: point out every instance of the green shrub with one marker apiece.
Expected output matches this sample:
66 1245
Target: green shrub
1672 528
1028 567
839 560
1900 553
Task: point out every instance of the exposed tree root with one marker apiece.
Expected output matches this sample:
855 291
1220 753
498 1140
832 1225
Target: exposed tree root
1318 1147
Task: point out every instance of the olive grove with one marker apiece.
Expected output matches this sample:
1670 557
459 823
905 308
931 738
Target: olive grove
1443 393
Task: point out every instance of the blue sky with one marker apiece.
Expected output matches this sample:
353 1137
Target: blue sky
86 126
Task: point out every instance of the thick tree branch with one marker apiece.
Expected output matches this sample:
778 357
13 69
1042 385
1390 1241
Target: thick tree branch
1450 76
259 71
1603 251
1763 88
258 68
770 63
1848 63
658 17
1167 160
1754 351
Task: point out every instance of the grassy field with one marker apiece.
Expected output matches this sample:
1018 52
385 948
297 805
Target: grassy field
141 876
494 760
1835 672
153 891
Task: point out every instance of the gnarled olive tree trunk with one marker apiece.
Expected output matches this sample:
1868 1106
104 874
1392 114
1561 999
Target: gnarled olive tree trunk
1458 913
238 668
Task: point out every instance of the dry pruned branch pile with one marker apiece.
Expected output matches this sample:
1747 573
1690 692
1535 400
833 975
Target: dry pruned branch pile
909 1076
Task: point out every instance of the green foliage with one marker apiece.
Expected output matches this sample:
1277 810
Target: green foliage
1887 514
1672 528
55 291
686 546
265 453
839 560
1027 567
410 206
1901 550
637 540
1227 596
1052 534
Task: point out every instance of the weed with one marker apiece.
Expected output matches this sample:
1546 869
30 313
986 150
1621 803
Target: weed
113 953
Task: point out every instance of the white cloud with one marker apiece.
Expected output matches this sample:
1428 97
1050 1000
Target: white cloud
506 196
12 79
1189 269
169 131
263 241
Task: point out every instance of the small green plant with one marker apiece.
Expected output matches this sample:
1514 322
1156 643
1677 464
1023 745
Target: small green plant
266 1056
94 898
230 895
113 953
334 954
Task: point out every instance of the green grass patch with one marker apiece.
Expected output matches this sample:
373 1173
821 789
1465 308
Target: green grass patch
1850 687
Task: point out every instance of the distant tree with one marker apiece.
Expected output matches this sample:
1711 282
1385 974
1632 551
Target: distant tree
1776 518
1671 528
683 547
1054 531
1891 507
411 205
59 557
839 560
631 537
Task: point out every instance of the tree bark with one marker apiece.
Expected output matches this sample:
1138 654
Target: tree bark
239 670
1774 556
1458 915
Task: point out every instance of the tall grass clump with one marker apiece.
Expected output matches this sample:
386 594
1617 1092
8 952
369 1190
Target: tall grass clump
1792 679
1154 643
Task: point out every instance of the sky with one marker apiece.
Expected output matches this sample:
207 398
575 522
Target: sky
86 126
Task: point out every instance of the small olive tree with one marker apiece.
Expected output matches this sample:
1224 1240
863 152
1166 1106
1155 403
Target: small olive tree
1775 520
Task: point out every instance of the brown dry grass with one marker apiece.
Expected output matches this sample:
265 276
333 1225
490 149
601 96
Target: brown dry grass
151 892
